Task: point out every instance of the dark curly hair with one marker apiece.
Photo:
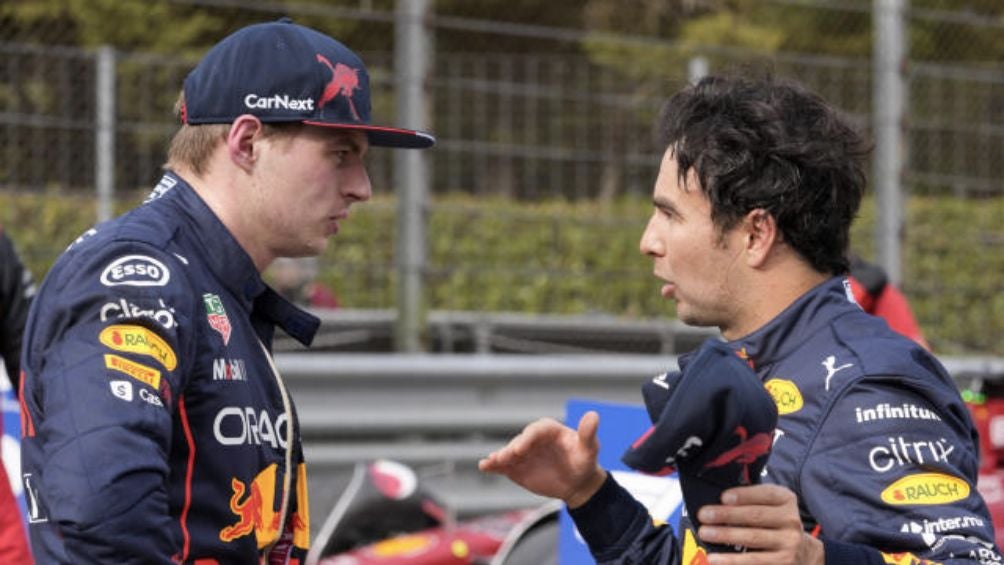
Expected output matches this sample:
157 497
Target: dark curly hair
771 144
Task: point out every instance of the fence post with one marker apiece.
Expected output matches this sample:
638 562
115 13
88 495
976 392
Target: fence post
411 171
889 95
104 132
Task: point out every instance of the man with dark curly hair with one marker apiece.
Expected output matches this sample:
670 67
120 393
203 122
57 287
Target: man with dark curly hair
873 458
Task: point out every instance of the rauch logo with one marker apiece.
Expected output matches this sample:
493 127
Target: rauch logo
785 395
925 489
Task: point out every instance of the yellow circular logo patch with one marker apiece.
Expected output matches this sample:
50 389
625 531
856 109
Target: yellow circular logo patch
785 394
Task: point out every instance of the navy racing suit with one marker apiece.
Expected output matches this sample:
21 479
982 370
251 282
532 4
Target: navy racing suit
872 437
156 429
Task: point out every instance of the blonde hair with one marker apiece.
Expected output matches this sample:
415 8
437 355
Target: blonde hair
192 145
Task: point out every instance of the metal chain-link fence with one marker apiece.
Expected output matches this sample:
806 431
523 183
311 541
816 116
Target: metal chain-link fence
544 117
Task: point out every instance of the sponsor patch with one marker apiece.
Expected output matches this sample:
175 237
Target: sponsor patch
217 315
165 184
900 451
140 372
830 364
137 339
886 411
135 270
236 425
277 101
122 308
254 506
150 398
785 394
121 389
925 489
930 530
229 370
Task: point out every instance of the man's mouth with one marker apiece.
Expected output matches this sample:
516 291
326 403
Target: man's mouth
668 291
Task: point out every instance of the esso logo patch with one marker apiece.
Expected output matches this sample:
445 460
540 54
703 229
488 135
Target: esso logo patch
135 270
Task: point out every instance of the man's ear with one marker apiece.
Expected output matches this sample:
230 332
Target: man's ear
242 141
762 236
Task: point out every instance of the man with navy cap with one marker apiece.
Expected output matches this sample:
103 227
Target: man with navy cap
157 428
867 454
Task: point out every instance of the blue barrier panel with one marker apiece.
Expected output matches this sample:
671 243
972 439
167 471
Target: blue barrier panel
620 424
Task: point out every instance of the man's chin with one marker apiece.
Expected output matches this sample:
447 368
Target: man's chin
693 319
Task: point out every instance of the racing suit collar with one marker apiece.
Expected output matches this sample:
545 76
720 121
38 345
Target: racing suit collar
776 339
234 268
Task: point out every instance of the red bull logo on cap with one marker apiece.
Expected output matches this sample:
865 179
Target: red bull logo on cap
745 454
344 81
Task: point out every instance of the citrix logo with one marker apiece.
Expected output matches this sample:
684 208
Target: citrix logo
901 452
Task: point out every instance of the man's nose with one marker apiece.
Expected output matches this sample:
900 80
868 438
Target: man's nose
650 244
358 185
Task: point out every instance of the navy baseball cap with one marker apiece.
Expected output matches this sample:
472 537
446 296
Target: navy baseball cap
713 423
284 72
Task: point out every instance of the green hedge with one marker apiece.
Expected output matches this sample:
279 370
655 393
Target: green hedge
494 254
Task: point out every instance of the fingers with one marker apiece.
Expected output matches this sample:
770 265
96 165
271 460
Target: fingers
759 539
490 463
767 495
760 506
763 518
588 426
519 446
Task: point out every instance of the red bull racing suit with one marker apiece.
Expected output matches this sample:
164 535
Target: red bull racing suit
872 436
156 429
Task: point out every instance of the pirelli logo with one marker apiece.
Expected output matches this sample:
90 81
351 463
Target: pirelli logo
138 371
925 489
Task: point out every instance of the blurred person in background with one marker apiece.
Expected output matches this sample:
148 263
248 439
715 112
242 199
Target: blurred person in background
157 429
16 291
296 280
874 457
879 297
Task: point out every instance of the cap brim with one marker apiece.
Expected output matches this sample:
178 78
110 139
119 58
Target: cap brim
385 136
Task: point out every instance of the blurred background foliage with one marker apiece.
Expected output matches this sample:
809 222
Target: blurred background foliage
544 113
553 256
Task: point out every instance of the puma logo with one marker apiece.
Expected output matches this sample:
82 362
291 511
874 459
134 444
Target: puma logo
829 364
